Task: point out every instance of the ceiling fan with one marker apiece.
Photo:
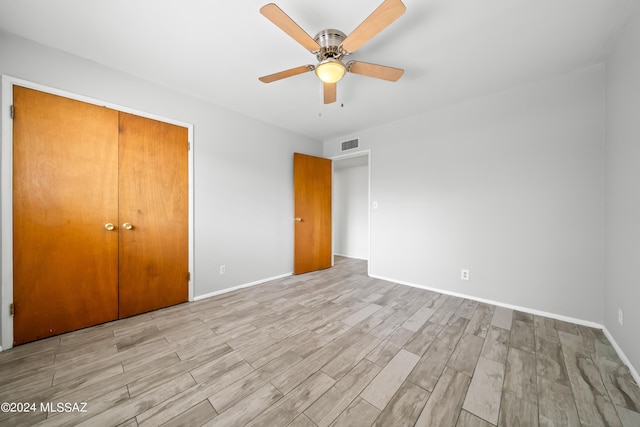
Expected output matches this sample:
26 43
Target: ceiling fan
331 46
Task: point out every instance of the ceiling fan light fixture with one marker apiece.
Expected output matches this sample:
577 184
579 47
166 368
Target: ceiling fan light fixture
330 70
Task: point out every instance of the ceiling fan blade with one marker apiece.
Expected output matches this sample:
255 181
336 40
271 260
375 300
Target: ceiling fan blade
330 93
382 17
374 70
274 14
286 73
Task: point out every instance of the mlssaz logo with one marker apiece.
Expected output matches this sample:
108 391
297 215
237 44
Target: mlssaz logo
63 407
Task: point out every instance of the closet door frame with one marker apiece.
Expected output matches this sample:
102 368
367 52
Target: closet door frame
6 198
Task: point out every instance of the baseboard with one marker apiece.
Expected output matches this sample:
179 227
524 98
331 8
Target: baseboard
350 257
498 303
235 288
623 357
556 316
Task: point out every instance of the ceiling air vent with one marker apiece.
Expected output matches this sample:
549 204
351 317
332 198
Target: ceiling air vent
350 145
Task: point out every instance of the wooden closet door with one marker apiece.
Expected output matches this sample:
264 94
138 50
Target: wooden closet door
154 201
65 189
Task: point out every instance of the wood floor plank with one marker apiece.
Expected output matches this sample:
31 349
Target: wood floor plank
485 390
33 386
195 416
230 395
326 409
616 377
496 345
446 311
522 335
132 407
293 404
566 327
291 378
405 406
266 355
550 363
520 375
71 353
422 339
79 369
98 405
502 318
15 374
322 336
387 349
444 404
545 328
28 419
415 322
627 417
217 365
362 314
138 384
173 406
465 356
380 391
90 391
515 411
248 407
350 357
467 308
234 338
389 325
591 397
359 414
556 405
480 320
428 370
467 419
302 421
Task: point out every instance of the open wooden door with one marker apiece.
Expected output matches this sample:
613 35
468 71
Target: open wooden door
312 211
154 197
65 192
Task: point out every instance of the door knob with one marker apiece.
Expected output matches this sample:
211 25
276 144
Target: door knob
127 226
298 219
109 227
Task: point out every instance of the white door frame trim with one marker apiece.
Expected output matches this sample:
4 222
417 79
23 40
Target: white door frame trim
6 187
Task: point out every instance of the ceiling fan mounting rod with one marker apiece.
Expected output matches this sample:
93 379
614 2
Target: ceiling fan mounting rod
329 41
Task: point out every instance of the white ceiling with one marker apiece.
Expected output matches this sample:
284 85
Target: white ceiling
451 50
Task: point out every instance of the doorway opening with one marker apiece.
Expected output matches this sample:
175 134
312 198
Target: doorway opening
351 206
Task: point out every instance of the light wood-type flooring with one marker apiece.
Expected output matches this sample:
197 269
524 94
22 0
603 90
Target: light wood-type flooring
333 347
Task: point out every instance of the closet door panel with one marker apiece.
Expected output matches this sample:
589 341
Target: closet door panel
65 189
153 189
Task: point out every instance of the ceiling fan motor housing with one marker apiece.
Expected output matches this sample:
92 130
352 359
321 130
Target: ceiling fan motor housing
329 41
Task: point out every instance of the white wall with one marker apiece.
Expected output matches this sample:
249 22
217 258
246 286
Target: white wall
351 212
509 186
623 190
243 167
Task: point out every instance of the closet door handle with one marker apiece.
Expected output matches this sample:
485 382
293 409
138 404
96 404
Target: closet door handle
109 227
127 226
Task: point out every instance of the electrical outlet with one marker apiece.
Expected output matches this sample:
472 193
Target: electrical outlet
620 316
464 274
223 270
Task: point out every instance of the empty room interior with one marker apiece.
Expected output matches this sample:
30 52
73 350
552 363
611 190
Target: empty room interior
320 213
